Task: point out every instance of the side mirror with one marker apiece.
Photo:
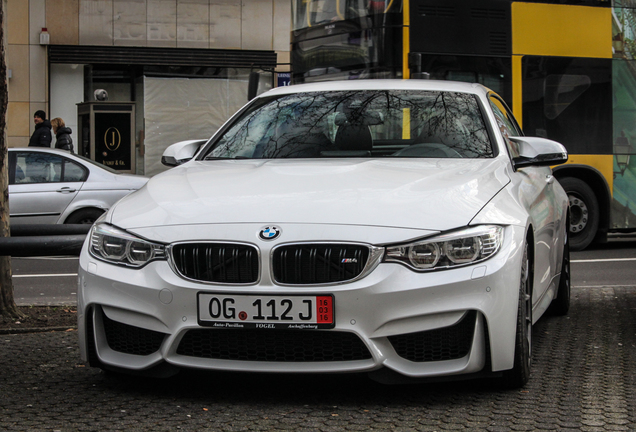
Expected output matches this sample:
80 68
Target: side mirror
538 152
181 152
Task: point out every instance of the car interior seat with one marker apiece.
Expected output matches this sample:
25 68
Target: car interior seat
352 135
293 139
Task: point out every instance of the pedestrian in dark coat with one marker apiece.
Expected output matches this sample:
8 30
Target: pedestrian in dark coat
62 134
42 134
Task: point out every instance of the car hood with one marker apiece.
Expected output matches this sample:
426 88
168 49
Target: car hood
431 194
132 181
103 180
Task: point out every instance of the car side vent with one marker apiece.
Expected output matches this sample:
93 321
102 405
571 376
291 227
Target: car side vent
216 262
447 343
306 264
128 339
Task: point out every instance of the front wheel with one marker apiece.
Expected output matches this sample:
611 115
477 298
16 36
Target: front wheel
520 373
584 212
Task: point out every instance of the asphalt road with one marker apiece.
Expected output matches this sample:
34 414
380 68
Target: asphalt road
611 264
45 281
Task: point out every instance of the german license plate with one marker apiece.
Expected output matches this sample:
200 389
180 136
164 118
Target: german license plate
264 311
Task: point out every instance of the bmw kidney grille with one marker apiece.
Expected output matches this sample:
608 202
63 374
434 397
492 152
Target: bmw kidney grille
296 264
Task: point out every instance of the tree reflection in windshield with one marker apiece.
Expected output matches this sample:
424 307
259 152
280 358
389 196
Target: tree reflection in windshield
369 123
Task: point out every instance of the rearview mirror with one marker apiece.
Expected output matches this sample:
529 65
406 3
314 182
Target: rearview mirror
535 151
181 152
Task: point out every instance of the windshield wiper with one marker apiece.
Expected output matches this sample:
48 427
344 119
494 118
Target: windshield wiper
210 158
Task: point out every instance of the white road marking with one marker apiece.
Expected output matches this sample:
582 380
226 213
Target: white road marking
603 260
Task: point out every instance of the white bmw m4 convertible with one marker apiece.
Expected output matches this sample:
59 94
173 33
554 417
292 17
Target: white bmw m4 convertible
407 229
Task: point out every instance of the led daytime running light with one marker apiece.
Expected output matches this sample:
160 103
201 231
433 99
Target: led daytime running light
449 250
119 247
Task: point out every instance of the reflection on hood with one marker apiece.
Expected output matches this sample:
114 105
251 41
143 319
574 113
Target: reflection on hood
436 194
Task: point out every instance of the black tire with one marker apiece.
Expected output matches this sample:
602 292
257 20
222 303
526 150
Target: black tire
561 303
584 212
84 216
520 373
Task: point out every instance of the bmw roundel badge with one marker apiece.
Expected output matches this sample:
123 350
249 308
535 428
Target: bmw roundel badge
269 233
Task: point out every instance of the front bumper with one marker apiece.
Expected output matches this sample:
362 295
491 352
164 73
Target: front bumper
420 325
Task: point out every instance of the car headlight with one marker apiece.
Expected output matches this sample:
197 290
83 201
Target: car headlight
466 246
116 246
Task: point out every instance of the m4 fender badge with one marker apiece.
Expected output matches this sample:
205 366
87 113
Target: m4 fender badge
269 233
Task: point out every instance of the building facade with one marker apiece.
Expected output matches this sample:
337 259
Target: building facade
179 67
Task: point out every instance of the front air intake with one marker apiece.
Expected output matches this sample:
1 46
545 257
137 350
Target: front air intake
447 343
273 345
129 339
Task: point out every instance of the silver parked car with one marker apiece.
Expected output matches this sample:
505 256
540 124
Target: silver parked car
50 186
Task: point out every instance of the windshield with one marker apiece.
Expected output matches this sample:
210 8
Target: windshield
368 123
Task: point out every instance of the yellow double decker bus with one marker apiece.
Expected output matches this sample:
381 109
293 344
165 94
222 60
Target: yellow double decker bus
566 67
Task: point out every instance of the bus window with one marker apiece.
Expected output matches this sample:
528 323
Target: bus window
493 72
569 100
561 91
310 13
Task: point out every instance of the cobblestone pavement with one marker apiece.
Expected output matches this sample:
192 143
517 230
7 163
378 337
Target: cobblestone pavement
582 379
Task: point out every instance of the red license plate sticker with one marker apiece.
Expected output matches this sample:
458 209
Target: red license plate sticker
324 306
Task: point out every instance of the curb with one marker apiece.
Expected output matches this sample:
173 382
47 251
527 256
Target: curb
36 330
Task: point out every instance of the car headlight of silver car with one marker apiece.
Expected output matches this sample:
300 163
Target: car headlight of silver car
117 246
457 248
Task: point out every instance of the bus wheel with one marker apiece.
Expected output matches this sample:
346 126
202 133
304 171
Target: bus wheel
584 214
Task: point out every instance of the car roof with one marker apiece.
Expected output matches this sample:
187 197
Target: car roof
64 153
49 150
380 84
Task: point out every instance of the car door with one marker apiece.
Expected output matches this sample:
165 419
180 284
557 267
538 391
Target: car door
41 186
536 193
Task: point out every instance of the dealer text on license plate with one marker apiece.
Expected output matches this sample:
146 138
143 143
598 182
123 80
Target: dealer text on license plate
263 311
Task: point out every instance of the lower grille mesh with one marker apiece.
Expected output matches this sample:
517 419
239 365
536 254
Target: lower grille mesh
448 343
128 339
273 345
